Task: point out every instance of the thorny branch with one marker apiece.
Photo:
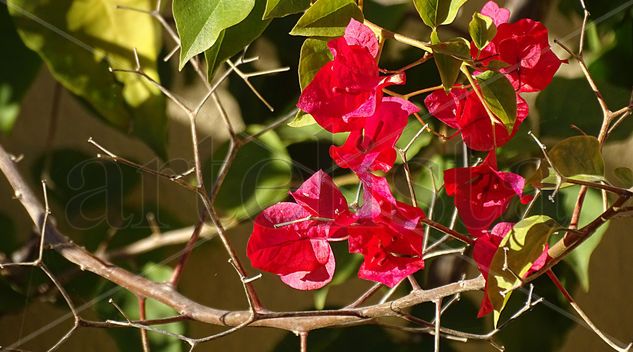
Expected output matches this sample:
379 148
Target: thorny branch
303 321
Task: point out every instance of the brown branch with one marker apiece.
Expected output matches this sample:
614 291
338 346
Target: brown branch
584 316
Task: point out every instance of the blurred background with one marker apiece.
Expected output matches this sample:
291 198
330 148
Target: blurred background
106 207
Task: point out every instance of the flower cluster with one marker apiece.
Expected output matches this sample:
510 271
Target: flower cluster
482 193
292 240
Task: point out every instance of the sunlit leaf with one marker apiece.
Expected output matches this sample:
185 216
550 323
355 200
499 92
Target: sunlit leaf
281 8
314 54
458 48
201 22
327 18
481 29
578 157
514 257
499 96
438 12
97 36
235 38
302 119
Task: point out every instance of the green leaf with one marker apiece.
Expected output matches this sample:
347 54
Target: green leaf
499 96
327 18
448 68
128 339
580 257
281 8
481 29
458 48
200 22
624 176
102 36
18 68
235 38
516 253
259 177
314 54
438 12
578 157
302 119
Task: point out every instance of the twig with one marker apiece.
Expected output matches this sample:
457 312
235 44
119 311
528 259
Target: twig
584 317
365 296
438 315
144 337
303 337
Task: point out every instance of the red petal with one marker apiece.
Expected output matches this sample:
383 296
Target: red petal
498 14
311 280
357 33
373 147
446 106
320 196
300 246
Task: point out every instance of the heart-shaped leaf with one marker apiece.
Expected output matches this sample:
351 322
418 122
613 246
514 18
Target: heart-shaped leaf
327 18
201 22
499 96
516 254
458 48
438 12
103 37
235 38
281 8
481 29
578 157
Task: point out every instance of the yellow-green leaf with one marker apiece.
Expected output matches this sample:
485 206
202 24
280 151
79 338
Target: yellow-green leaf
302 119
327 18
314 54
578 157
438 12
481 29
281 8
235 38
499 96
200 22
516 253
98 35
458 48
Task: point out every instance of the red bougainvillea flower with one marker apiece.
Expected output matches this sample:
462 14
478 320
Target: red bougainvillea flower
522 45
461 109
498 14
347 89
387 233
286 242
298 252
372 148
320 196
482 193
483 252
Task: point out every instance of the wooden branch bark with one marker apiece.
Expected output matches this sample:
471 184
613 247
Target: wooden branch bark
291 321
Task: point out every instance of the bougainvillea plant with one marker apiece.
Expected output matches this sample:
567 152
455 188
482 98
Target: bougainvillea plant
431 167
347 94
